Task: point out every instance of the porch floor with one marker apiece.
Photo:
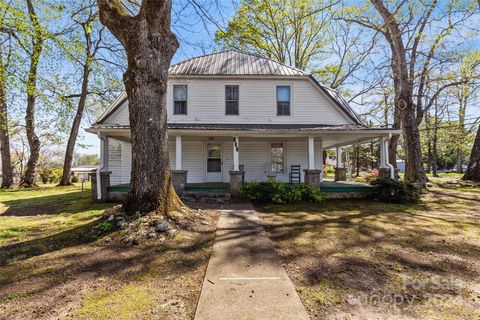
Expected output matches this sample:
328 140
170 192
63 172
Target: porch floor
217 187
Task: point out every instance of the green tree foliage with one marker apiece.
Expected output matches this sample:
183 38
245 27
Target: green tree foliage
290 31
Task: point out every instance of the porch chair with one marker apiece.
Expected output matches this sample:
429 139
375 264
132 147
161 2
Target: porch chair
295 173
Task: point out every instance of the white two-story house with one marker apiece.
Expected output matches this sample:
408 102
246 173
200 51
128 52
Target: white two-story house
230 112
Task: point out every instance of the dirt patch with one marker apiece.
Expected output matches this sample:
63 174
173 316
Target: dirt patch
156 279
368 260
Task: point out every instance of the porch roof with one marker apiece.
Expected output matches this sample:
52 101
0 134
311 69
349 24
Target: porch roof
257 127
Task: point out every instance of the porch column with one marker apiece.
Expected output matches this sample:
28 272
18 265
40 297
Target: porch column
311 153
236 164
340 171
178 153
386 170
179 176
312 176
320 152
382 152
235 174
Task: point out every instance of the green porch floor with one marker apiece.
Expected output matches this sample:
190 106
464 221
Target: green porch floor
325 186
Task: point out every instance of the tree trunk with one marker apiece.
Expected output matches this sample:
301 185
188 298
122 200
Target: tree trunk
435 151
414 170
68 161
473 169
150 46
28 180
7 168
459 161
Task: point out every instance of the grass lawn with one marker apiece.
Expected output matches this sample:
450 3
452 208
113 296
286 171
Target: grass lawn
55 264
368 260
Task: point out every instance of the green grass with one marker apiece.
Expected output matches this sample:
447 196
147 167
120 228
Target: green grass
27 214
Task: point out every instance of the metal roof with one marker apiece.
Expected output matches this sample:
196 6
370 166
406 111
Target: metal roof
257 127
231 63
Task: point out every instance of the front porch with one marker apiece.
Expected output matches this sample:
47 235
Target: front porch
334 189
218 158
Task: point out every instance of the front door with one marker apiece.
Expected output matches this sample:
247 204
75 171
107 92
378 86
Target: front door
214 162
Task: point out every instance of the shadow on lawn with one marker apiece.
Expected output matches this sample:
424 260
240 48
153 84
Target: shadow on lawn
86 233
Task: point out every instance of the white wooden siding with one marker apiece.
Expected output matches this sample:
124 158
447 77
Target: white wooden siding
114 163
206 103
194 160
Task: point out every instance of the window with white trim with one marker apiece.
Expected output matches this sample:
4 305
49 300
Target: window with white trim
232 93
180 95
283 100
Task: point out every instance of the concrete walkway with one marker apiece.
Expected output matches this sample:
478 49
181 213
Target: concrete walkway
245 278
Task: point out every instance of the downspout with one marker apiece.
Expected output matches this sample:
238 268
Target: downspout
387 160
101 167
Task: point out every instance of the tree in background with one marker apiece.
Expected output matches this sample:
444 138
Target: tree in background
38 36
150 45
290 31
83 49
7 36
408 28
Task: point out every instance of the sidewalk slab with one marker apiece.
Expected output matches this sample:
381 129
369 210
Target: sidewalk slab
245 278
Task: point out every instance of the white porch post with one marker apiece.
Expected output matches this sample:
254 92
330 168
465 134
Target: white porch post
311 153
178 153
321 160
339 157
236 164
383 163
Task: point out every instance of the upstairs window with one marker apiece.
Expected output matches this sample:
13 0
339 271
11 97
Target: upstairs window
283 100
231 100
277 155
180 99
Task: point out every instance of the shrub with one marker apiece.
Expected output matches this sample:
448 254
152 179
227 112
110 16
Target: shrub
278 192
50 175
330 170
368 176
394 191
75 179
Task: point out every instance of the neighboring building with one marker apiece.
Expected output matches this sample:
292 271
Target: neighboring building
229 111
83 172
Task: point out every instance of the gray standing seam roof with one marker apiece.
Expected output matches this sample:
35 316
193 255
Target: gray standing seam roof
233 62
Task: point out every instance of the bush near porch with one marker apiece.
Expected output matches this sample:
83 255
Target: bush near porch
278 192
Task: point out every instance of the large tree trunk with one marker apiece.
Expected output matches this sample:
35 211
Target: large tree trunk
414 170
473 169
68 161
28 180
150 46
7 169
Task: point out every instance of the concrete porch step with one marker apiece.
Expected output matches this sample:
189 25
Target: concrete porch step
206 197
